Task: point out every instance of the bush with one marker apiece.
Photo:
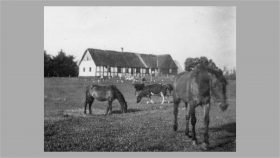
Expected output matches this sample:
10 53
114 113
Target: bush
60 65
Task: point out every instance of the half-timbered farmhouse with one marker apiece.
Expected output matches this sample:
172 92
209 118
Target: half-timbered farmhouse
96 62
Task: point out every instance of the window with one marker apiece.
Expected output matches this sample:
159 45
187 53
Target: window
119 70
147 71
84 69
89 69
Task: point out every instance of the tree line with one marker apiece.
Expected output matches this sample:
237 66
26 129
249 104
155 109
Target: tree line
190 63
61 65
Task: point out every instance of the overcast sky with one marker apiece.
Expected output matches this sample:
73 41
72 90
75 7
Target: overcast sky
180 31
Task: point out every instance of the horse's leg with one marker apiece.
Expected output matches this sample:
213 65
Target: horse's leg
187 120
151 100
85 109
205 144
175 112
110 107
89 106
193 121
161 93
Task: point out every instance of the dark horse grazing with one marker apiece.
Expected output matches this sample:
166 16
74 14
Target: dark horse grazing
138 87
150 90
104 93
196 88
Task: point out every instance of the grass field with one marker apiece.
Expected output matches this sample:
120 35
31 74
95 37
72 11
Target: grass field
146 127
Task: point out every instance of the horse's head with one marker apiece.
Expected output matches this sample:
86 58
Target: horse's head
119 96
124 107
218 89
139 97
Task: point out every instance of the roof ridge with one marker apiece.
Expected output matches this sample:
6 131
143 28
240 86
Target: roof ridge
141 59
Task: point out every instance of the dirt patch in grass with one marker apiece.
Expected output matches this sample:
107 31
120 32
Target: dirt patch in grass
80 112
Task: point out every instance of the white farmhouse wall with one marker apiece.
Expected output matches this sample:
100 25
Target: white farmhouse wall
86 64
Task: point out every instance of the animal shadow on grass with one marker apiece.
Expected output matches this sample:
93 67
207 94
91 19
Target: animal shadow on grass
229 127
128 111
225 140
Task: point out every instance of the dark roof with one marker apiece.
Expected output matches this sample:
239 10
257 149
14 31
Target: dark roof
166 61
128 59
114 58
150 60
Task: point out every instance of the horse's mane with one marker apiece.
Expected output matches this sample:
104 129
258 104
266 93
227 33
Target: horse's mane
218 73
117 92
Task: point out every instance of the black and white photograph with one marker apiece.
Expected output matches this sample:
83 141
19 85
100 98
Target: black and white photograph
140 79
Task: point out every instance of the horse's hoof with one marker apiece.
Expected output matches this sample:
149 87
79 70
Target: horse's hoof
204 146
194 143
175 127
187 134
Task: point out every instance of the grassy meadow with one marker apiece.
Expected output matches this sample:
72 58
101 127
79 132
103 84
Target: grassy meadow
146 127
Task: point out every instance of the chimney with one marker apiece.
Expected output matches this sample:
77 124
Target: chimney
157 61
122 49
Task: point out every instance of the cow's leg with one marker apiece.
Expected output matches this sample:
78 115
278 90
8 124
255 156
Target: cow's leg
162 95
151 100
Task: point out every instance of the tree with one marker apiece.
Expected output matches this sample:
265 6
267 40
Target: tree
60 65
47 65
190 63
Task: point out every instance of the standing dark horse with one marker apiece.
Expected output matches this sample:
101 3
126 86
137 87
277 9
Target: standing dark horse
150 90
196 88
104 93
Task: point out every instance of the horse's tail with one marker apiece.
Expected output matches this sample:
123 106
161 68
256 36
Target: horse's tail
119 96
